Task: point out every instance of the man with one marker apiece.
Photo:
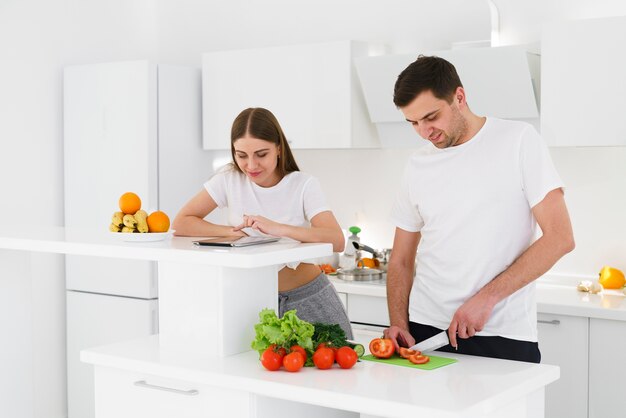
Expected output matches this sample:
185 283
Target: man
469 205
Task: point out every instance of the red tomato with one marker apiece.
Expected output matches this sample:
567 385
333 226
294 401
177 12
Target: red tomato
382 347
406 352
419 359
346 357
281 350
323 358
293 361
327 345
271 360
298 349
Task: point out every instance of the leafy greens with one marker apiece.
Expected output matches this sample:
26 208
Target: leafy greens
286 331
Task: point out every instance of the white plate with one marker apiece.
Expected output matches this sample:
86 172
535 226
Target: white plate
143 237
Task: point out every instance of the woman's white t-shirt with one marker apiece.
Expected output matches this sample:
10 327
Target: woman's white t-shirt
295 200
472 205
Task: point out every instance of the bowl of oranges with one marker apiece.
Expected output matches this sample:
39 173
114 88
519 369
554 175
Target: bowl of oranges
131 223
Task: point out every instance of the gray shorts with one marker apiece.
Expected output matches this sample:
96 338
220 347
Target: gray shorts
316 301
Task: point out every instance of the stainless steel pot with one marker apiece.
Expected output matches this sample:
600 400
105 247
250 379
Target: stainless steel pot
360 274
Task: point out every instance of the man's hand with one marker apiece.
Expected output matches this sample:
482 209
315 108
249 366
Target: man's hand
400 337
470 318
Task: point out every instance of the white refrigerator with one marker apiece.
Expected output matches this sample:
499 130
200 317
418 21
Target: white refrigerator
128 126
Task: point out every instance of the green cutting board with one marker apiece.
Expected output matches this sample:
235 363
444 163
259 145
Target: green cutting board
434 363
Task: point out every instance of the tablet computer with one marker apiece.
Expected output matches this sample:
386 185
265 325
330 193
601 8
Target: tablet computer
235 241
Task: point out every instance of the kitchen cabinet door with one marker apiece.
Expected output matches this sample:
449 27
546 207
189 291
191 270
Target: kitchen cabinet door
563 341
607 369
312 90
366 309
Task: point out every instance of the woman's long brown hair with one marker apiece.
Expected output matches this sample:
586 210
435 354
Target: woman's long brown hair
260 123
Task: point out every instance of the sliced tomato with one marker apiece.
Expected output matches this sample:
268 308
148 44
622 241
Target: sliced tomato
407 352
382 347
419 359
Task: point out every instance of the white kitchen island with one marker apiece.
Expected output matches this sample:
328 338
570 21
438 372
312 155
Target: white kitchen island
200 364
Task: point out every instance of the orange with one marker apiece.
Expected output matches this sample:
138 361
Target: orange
158 222
368 263
130 203
611 278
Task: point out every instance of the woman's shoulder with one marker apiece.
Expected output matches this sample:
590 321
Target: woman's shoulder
299 177
226 176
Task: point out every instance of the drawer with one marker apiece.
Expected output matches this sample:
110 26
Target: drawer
368 310
126 394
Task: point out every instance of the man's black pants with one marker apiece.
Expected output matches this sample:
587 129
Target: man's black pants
496 347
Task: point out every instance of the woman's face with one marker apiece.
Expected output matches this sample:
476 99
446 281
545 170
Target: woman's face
257 159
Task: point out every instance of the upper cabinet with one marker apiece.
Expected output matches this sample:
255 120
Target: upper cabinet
583 88
311 89
499 82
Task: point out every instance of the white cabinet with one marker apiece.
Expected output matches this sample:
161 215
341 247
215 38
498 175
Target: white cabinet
124 394
311 89
366 309
128 126
128 394
582 69
485 73
94 320
563 341
607 369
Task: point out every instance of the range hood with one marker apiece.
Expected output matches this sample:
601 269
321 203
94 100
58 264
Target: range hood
499 82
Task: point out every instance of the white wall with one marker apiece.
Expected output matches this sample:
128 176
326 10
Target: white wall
37 39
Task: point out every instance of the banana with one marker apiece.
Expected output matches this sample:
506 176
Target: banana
117 219
128 230
114 228
129 221
140 217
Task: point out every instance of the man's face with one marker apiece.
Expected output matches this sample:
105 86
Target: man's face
436 120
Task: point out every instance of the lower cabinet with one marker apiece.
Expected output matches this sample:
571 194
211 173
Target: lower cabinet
126 394
607 368
123 394
564 342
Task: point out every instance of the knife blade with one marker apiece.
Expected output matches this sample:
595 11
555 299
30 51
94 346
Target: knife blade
432 343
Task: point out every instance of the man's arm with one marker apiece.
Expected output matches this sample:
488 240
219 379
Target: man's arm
557 240
399 282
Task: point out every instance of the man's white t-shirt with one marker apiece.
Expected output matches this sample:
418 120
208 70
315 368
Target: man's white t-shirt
295 200
472 205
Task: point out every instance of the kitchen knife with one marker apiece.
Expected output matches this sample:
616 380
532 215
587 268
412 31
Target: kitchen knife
432 343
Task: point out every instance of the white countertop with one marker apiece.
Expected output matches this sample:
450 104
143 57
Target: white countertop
555 295
174 249
474 386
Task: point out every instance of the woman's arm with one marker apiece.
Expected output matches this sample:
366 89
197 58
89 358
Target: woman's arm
189 221
324 228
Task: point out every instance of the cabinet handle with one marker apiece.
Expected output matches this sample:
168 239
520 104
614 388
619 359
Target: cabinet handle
144 384
552 322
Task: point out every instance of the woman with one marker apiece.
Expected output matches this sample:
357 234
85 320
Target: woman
266 194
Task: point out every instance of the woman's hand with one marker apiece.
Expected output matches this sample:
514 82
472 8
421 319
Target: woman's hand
261 224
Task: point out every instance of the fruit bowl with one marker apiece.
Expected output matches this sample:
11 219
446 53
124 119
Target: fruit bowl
143 237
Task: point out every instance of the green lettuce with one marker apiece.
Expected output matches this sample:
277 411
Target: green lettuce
286 331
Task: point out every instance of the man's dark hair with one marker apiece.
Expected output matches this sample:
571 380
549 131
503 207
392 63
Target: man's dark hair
424 74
